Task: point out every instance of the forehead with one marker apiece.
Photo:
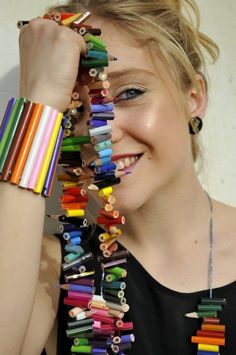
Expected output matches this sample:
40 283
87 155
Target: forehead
123 45
135 60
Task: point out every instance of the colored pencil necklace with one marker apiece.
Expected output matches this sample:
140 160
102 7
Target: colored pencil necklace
212 334
96 324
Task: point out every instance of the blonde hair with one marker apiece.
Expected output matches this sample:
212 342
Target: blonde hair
170 25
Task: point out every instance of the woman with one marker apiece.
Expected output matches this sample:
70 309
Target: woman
161 92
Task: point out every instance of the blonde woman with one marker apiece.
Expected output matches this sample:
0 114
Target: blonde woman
161 98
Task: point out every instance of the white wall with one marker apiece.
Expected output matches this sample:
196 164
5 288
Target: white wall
218 21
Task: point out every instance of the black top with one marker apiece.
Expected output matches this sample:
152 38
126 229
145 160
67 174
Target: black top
158 312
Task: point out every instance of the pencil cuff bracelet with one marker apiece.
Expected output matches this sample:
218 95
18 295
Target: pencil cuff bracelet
30 140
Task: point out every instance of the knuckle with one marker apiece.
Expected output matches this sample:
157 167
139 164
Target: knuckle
64 32
41 23
34 23
68 34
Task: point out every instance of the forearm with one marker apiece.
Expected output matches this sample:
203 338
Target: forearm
21 220
47 82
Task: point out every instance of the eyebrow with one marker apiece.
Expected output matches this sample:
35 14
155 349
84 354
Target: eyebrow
128 72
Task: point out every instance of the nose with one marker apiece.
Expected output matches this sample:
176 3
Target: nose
118 124
117 127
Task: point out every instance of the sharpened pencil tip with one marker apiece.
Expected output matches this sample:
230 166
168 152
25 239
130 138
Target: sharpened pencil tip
93 187
191 315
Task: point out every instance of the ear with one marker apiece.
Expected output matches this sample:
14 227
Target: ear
197 100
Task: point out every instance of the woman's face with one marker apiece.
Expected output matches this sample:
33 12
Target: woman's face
150 132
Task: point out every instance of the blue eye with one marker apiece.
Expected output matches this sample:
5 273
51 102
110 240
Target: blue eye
129 94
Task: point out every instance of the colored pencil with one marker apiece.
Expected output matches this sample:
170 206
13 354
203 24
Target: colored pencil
48 183
35 147
48 155
17 141
201 314
42 149
10 131
26 145
6 116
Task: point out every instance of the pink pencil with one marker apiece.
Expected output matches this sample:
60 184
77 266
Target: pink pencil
42 150
104 319
79 295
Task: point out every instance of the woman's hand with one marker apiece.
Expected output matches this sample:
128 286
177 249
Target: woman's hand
49 62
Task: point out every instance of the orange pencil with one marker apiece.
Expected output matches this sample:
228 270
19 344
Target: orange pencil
105 245
26 145
108 252
111 214
71 198
215 327
74 206
211 341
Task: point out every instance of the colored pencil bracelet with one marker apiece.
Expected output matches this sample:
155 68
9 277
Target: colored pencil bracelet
29 140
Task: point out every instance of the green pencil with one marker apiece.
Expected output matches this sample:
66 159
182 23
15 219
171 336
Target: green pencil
212 314
10 131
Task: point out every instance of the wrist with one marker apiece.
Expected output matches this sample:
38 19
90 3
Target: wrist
45 96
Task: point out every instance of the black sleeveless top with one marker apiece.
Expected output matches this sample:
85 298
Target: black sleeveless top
157 312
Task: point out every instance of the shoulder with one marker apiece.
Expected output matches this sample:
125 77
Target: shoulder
224 219
224 228
225 214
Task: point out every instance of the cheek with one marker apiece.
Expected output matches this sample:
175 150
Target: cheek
158 122
138 121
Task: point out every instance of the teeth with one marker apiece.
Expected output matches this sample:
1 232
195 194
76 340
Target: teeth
126 162
120 165
132 160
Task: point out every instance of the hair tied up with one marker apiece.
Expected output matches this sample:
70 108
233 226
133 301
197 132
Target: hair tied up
175 4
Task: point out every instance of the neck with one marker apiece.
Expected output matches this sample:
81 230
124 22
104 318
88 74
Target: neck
172 217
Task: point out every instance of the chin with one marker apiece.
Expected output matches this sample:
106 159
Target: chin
126 200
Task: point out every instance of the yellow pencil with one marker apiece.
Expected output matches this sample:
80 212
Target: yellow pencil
75 213
70 184
208 347
68 21
106 191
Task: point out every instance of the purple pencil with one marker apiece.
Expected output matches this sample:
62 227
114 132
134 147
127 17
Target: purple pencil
97 123
102 108
6 116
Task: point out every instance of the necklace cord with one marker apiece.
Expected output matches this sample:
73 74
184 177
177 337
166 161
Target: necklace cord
211 246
